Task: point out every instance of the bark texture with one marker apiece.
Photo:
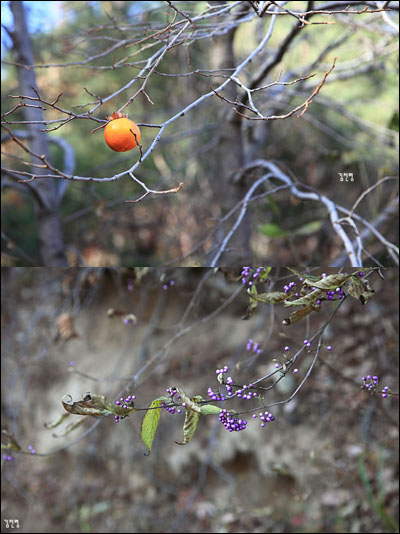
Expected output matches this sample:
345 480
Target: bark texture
46 197
228 157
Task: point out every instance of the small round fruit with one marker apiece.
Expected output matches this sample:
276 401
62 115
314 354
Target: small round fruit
121 134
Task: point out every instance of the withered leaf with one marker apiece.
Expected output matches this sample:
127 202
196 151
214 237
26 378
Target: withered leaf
189 426
10 443
330 282
297 315
95 405
190 402
306 300
273 297
360 289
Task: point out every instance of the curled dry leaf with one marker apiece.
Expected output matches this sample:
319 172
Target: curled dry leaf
10 443
273 297
297 315
95 405
189 426
306 300
360 289
329 283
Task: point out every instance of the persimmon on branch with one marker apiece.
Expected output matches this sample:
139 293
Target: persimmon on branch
175 33
145 45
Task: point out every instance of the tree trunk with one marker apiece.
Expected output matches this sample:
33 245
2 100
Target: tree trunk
228 158
46 202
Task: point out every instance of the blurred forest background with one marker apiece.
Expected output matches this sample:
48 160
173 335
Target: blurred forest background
90 50
328 463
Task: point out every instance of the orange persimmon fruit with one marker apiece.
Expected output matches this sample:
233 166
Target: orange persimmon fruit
121 134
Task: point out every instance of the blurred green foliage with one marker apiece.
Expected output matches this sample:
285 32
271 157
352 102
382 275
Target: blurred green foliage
88 28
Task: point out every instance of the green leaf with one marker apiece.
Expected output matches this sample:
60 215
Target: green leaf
264 274
274 206
150 422
189 426
210 409
272 230
308 228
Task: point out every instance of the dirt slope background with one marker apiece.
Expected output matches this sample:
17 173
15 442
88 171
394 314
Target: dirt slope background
328 463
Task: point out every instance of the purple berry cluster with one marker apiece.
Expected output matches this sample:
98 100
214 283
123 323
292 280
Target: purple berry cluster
32 449
171 392
245 392
265 417
168 285
288 288
7 458
370 383
231 423
127 402
253 346
330 294
172 409
228 383
338 292
250 278
215 395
